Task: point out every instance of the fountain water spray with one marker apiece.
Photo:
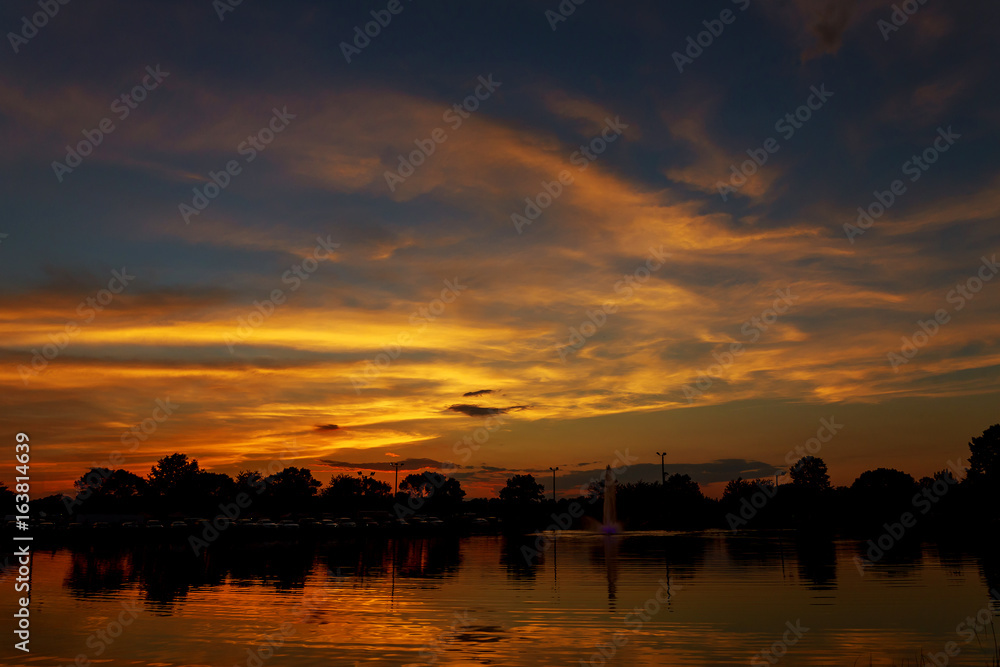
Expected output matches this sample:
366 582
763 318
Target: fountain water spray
610 523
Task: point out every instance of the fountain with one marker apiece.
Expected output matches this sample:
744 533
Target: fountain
610 524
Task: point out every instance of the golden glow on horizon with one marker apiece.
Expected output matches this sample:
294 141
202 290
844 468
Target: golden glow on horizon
524 293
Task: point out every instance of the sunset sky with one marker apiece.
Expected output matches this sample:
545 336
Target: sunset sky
430 270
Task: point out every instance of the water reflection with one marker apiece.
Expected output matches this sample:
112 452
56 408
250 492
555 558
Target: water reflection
481 600
817 561
611 543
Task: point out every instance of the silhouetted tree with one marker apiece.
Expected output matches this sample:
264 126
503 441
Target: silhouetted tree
884 483
343 488
810 472
291 489
738 488
249 482
681 487
880 495
594 490
521 490
639 504
173 473
984 458
348 493
49 508
683 505
943 475
747 502
105 490
443 494
448 493
208 489
416 485
342 494
6 497
91 481
373 489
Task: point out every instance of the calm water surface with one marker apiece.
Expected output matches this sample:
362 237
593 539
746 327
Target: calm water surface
704 599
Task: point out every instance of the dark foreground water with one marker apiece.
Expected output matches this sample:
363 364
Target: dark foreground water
646 599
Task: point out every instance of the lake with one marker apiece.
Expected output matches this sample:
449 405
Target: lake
710 598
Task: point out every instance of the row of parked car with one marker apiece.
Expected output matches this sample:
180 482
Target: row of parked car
342 525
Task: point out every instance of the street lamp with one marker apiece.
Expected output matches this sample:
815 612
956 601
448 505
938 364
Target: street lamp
553 482
663 472
777 474
396 466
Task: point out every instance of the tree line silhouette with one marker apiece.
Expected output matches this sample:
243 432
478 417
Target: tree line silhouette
956 497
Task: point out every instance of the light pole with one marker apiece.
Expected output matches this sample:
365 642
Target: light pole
777 474
663 472
553 482
396 466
